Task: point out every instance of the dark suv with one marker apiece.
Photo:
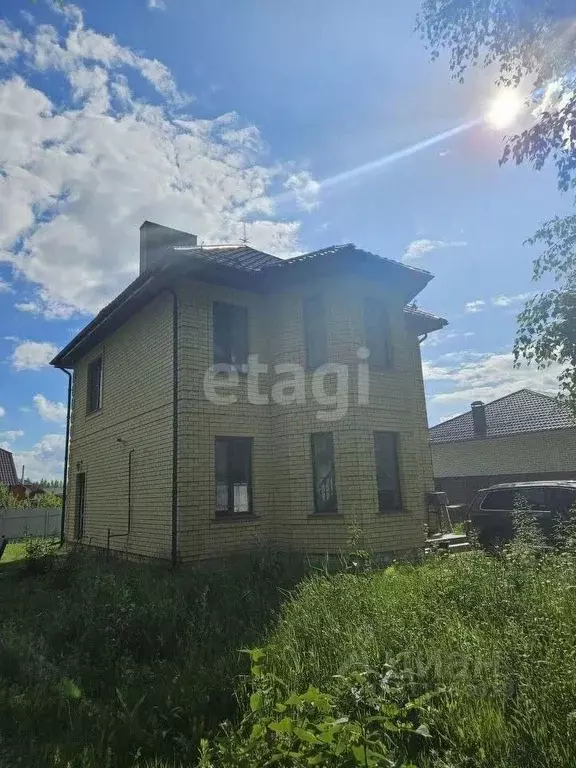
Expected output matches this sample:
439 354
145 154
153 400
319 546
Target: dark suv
490 513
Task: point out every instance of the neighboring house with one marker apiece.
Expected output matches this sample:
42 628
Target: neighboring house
163 464
523 436
8 474
26 491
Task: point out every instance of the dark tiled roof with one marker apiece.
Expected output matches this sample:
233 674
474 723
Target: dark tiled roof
7 468
348 249
423 322
234 262
239 256
520 412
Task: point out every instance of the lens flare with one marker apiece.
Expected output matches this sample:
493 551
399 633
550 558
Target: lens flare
504 110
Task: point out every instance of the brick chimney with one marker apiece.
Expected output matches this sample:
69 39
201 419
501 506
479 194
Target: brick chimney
156 239
479 418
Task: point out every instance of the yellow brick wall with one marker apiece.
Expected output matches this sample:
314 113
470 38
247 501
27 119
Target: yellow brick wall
396 404
282 466
136 407
202 535
549 451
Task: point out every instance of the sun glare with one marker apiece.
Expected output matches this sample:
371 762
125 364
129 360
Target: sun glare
504 109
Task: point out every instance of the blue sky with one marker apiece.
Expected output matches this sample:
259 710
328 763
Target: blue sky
205 114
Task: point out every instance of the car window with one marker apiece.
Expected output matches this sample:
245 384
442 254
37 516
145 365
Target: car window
562 498
496 500
534 497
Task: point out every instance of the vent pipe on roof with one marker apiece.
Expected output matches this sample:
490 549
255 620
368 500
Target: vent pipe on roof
155 241
479 418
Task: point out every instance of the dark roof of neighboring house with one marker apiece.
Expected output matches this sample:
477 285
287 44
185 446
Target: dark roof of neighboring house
244 267
8 474
521 412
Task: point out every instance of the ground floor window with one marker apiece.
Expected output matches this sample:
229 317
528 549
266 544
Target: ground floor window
80 508
233 464
325 500
387 472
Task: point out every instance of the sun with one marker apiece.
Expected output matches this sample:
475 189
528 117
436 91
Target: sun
504 109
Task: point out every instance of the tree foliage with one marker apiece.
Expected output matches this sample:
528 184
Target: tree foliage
532 42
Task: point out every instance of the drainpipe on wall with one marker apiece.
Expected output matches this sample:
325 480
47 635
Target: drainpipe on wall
66 454
174 426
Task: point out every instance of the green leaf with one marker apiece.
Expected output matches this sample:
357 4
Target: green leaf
423 730
283 726
258 730
256 701
359 755
306 736
69 689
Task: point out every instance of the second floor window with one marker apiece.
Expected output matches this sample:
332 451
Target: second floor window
315 332
387 473
324 476
233 465
94 399
230 334
377 329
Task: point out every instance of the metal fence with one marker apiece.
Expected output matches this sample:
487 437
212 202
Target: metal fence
34 521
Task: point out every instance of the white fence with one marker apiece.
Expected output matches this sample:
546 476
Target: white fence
34 521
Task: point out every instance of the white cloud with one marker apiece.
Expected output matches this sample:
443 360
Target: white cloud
442 336
304 189
11 434
487 377
2 412
83 172
49 410
158 5
472 307
506 301
418 248
33 355
46 307
439 419
44 459
5 287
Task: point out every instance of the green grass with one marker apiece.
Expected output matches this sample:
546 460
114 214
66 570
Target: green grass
113 665
105 663
496 636
14 551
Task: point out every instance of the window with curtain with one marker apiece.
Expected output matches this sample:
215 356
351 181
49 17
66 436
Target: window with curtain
233 464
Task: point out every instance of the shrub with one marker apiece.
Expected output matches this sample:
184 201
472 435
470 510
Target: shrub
39 555
369 720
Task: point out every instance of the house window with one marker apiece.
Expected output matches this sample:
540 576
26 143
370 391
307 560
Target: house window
315 332
387 474
95 385
80 508
324 476
233 462
377 329
230 334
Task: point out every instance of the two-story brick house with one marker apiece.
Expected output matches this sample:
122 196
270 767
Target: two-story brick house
179 449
